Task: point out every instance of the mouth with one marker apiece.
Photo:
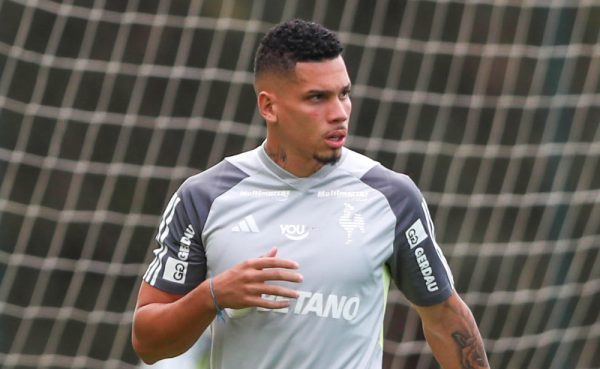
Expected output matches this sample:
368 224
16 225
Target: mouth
336 139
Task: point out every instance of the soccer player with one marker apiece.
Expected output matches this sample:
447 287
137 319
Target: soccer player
286 251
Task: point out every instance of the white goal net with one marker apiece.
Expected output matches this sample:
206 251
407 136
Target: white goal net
491 106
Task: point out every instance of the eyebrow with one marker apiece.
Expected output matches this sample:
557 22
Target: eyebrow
325 91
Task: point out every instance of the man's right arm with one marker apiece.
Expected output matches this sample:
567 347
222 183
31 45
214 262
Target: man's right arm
166 324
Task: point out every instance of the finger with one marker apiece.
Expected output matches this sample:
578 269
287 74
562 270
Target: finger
279 291
279 275
273 298
260 302
271 253
272 262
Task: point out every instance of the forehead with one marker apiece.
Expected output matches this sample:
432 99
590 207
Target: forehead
327 74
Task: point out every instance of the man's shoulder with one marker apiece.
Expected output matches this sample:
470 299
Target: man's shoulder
357 164
371 170
215 180
236 165
394 185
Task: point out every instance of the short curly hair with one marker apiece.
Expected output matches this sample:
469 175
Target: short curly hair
295 41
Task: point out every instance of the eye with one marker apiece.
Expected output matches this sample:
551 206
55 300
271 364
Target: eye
345 94
316 97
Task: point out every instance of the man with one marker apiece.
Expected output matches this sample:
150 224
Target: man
291 245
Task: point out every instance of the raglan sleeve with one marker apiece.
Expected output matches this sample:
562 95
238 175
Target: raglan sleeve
179 262
417 264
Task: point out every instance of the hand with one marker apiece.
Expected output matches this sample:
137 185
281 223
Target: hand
244 284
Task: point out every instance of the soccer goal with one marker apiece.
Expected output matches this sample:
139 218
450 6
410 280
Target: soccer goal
491 106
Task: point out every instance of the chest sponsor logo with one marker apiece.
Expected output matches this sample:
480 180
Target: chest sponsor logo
294 232
351 221
175 270
416 234
344 195
185 242
274 195
246 225
319 304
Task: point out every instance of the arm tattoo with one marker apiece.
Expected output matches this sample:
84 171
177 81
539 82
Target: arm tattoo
472 355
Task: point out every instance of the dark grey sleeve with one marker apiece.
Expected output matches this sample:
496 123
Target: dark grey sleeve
417 264
179 263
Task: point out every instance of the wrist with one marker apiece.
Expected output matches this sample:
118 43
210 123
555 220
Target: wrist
219 310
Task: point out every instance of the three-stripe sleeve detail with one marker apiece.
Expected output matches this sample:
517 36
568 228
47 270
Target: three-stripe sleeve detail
431 229
163 231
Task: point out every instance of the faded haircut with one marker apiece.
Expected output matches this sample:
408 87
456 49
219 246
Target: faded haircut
295 41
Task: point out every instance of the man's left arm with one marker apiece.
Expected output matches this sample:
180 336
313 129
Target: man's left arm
452 333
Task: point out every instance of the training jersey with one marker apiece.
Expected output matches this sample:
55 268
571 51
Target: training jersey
351 226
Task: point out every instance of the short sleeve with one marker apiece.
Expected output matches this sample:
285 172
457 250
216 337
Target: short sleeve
417 264
179 262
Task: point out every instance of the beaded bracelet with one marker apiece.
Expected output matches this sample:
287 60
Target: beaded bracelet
220 310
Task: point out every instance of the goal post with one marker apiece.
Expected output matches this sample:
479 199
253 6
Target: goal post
491 106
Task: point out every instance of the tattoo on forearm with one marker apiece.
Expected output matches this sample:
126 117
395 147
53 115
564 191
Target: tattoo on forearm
472 354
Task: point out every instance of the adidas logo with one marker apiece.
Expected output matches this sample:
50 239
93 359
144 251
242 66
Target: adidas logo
248 225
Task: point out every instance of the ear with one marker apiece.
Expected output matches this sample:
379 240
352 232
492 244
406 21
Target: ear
266 106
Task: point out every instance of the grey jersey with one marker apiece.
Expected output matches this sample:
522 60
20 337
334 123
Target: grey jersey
350 226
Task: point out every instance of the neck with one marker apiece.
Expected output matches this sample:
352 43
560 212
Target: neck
292 163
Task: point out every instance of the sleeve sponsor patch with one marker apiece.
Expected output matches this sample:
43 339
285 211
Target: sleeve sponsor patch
175 270
416 234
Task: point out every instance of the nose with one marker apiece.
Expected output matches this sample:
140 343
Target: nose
339 110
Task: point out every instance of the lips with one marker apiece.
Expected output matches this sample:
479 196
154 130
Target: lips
336 139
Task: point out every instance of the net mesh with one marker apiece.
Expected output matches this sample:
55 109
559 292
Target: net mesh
492 107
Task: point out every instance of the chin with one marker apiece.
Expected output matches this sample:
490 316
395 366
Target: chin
331 158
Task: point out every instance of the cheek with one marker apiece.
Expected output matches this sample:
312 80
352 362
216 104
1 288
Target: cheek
302 123
348 106
307 120
314 116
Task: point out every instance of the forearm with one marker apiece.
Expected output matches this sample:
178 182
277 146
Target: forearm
166 325
162 330
454 337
